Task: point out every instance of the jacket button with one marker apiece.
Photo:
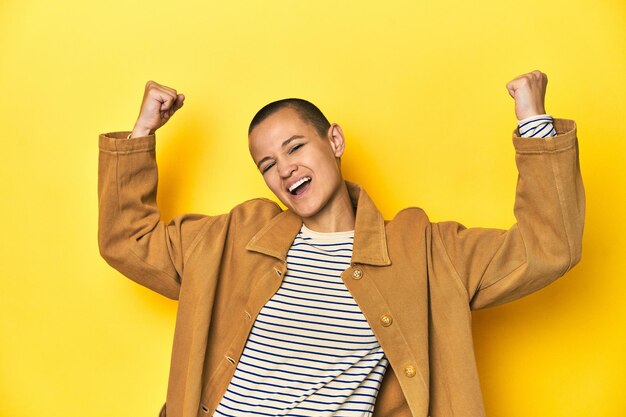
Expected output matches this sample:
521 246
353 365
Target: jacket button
386 320
357 274
410 371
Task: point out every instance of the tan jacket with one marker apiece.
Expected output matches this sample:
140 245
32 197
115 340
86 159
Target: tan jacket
427 276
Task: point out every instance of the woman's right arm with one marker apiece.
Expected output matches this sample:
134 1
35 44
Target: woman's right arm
131 236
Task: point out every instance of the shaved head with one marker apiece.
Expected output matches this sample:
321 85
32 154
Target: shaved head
307 111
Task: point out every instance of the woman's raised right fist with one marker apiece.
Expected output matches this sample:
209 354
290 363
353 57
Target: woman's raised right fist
158 105
529 92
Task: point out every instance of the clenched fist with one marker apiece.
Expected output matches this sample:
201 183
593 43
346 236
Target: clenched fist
158 105
529 92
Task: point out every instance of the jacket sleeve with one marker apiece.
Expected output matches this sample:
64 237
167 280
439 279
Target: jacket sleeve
131 236
496 266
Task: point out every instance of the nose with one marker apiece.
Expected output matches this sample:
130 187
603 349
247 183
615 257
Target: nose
286 168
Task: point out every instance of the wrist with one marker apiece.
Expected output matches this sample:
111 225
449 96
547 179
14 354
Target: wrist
139 131
521 122
525 114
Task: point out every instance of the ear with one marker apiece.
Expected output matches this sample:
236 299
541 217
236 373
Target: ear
337 140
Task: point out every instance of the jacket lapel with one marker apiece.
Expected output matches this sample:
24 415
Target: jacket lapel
370 241
276 237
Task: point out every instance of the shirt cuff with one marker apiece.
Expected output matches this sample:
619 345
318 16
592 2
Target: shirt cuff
539 126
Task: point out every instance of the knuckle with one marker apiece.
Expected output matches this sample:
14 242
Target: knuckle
538 75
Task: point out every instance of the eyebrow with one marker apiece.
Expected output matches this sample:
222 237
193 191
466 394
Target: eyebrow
285 143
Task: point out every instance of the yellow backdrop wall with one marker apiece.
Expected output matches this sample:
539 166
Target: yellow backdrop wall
419 88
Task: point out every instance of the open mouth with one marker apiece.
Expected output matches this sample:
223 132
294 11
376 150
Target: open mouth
299 186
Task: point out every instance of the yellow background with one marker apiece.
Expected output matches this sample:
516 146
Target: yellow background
419 88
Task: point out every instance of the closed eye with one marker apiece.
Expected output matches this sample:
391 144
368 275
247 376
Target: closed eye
296 147
267 167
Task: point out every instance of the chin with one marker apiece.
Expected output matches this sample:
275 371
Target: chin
303 212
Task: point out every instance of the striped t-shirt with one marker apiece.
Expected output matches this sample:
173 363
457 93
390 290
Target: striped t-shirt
311 351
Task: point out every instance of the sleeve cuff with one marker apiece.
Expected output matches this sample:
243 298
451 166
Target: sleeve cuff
565 138
119 142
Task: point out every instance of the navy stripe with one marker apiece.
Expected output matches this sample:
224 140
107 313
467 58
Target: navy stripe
315 315
308 400
352 366
334 255
315 300
302 408
326 245
244 388
313 330
334 373
342 372
265 314
299 381
317 259
327 378
304 351
316 308
314 338
255 412
542 127
318 267
316 273
303 344
549 133
347 297
547 119
296 395
319 363
317 286
340 285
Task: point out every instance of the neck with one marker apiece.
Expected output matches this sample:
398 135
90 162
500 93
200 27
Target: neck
337 216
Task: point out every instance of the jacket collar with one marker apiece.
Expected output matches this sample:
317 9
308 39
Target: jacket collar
370 241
